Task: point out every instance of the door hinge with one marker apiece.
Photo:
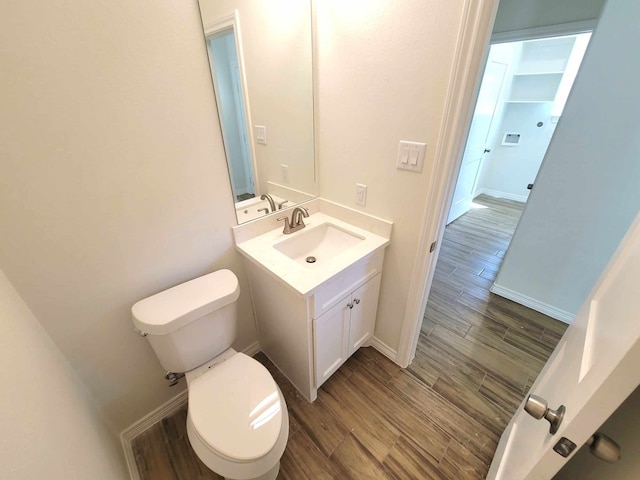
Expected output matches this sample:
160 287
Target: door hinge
432 247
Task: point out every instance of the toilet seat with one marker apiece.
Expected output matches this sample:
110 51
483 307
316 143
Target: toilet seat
236 409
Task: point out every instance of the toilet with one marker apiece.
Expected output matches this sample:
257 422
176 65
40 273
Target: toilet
237 420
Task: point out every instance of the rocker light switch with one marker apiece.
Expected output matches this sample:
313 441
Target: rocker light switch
261 134
411 156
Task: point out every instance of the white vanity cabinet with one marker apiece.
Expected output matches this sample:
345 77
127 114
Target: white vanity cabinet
347 326
308 337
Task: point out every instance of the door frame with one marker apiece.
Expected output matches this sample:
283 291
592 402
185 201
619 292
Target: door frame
466 151
471 54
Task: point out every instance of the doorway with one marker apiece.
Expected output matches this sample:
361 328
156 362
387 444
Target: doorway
522 95
230 99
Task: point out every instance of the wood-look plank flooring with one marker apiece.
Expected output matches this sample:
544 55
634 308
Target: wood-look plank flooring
441 418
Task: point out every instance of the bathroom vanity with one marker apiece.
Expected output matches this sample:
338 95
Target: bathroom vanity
312 316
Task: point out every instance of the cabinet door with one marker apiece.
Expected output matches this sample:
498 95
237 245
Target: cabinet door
331 337
363 313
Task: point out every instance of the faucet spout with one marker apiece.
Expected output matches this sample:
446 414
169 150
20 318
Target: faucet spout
297 215
268 198
296 222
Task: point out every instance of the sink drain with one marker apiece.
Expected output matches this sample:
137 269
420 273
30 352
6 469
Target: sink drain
311 259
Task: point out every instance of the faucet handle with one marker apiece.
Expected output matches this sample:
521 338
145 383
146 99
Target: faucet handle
287 225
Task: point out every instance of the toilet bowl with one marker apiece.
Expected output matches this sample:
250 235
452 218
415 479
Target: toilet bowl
237 420
241 430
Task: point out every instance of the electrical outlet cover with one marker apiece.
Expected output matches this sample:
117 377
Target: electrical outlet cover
361 194
261 134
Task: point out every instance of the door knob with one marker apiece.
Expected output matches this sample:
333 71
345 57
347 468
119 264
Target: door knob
604 447
537 407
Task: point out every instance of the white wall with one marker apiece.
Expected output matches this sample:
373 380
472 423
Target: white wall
508 169
383 70
622 427
276 44
522 14
50 426
586 193
114 184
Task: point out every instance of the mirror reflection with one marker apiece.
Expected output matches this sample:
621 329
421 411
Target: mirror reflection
261 64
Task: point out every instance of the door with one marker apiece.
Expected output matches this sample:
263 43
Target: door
591 372
363 313
331 340
476 146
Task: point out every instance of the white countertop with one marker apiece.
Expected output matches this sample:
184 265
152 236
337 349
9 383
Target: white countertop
304 278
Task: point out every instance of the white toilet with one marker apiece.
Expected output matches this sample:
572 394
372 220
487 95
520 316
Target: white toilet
237 419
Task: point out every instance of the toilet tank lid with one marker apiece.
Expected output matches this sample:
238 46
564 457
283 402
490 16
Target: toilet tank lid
167 311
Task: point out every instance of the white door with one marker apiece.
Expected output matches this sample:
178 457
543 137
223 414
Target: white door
363 314
593 369
477 140
331 340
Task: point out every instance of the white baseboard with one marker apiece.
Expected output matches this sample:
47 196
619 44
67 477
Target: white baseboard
252 349
145 423
384 349
499 194
532 303
164 410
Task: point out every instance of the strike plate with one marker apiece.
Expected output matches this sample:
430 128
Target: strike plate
564 447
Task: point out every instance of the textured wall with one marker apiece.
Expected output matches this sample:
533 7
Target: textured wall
383 69
586 193
114 184
51 428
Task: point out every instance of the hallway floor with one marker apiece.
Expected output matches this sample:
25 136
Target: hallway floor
441 418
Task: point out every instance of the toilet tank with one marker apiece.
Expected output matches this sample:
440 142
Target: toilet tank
190 323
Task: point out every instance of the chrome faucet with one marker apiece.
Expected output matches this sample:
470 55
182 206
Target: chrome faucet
296 222
268 198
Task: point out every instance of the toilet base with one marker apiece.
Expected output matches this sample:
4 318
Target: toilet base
270 475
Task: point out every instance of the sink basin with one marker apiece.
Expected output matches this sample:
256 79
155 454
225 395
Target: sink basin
322 243
336 245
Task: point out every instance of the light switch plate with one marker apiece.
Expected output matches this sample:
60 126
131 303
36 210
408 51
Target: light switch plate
284 171
261 134
411 156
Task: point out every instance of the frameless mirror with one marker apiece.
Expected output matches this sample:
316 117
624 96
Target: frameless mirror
260 55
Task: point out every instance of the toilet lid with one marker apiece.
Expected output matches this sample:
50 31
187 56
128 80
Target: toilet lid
236 408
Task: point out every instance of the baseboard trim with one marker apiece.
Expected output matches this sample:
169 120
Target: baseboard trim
499 194
149 420
384 349
532 303
145 423
252 349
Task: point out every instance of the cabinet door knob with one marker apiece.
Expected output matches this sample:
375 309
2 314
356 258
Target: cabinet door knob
356 301
350 305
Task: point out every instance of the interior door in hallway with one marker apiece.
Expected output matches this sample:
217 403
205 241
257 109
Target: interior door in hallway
592 371
476 146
